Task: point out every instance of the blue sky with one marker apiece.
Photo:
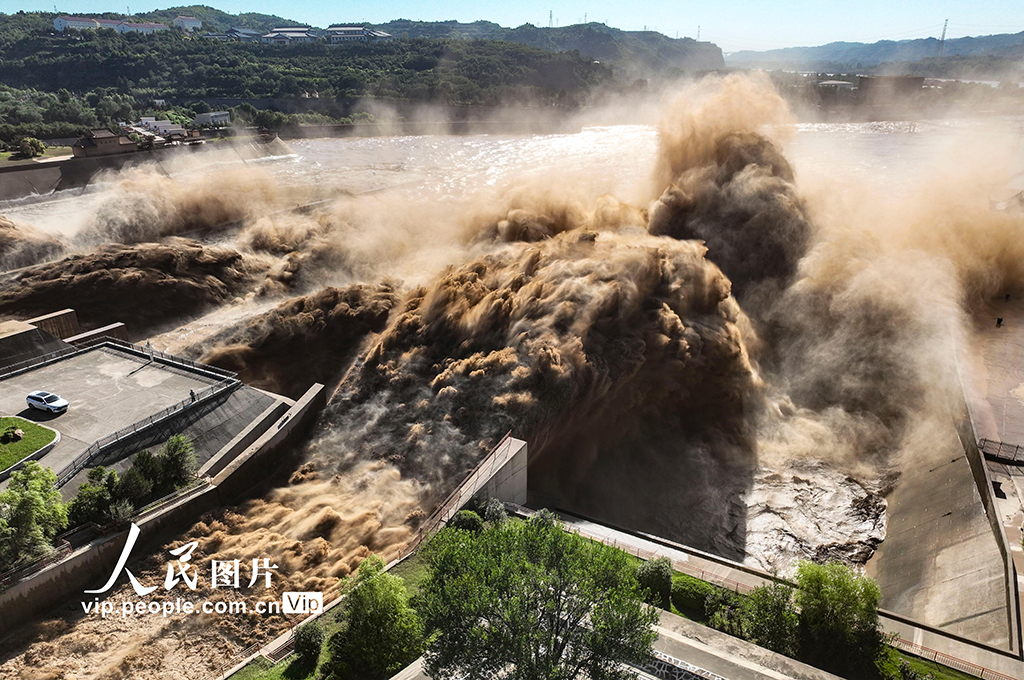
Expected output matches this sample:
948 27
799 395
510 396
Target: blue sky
732 24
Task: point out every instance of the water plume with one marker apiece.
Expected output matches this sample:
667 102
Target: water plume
145 204
755 354
305 339
22 246
159 283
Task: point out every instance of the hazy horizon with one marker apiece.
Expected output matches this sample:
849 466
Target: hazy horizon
733 25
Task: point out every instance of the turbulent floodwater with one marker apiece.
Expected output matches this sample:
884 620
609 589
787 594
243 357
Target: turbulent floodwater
742 320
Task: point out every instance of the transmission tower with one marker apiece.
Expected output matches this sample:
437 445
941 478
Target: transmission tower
551 18
942 40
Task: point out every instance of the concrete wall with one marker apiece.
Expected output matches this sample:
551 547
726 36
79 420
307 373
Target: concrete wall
62 324
90 566
509 482
979 470
115 330
27 345
242 440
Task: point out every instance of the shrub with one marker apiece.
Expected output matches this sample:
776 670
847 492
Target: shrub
771 618
467 520
177 461
724 610
494 511
121 511
655 577
309 638
30 147
690 595
133 487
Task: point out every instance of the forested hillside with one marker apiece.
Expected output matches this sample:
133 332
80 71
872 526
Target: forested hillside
173 65
54 85
999 49
643 52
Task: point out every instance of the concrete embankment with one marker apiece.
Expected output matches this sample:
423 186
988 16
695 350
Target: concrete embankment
20 181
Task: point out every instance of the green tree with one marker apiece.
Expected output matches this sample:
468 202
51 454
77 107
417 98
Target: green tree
30 147
655 577
309 638
771 619
382 633
533 598
133 487
177 462
31 514
839 628
92 502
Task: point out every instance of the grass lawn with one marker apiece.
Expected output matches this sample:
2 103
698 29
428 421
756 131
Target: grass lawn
938 670
262 668
412 570
10 158
35 438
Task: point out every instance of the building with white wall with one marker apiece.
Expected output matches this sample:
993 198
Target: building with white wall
187 23
64 23
284 35
341 34
215 118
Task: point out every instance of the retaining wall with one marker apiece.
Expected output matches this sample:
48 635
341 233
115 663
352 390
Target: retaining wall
61 325
979 470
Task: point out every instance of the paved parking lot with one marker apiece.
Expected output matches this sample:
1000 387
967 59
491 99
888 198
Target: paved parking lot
108 390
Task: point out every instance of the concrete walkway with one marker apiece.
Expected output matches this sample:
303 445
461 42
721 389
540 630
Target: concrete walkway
743 579
727 656
707 649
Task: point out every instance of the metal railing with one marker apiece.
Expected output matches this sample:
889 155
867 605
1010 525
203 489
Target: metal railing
27 365
193 487
114 343
1001 451
949 661
457 498
11 576
82 460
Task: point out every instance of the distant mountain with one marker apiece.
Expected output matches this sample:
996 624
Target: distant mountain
646 52
865 56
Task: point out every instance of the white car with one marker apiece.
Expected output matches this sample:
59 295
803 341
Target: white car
47 401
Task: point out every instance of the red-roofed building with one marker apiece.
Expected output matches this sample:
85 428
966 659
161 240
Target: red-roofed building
63 23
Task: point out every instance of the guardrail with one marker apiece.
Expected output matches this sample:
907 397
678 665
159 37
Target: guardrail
193 487
27 365
949 661
116 343
17 573
82 460
1000 451
457 498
